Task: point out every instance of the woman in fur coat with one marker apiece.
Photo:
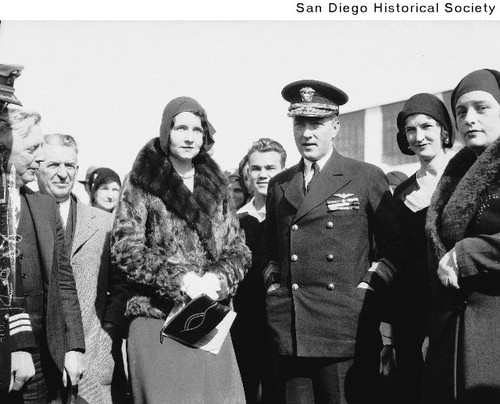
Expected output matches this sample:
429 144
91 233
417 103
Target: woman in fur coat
174 224
463 227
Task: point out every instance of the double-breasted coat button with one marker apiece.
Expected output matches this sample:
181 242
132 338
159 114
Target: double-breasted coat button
329 257
330 286
295 227
329 225
294 257
295 287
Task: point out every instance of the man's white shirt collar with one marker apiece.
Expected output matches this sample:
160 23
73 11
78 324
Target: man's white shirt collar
249 208
321 163
64 210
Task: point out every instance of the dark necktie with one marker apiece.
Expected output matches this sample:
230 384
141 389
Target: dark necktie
315 170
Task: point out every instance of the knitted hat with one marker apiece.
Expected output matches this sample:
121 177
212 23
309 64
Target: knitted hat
177 106
427 104
479 80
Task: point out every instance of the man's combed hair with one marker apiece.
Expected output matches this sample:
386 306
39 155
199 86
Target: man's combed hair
266 144
20 120
60 139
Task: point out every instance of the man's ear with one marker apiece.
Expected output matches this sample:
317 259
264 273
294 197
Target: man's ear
336 128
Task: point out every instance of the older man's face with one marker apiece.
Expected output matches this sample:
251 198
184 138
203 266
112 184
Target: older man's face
314 136
58 171
26 155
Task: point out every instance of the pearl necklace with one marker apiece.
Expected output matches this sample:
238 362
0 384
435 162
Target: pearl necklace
188 175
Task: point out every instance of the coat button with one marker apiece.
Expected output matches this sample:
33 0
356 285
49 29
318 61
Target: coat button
329 257
295 227
329 225
295 287
294 258
24 276
330 286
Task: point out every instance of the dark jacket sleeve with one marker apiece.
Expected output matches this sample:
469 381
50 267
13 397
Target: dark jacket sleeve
119 291
270 261
480 254
386 230
16 321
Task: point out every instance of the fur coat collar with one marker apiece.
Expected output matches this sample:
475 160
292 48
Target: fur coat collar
455 202
153 173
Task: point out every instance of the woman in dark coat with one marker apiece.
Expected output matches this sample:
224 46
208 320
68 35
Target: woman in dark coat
463 225
176 236
424 130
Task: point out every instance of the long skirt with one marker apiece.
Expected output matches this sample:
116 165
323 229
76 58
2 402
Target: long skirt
170 372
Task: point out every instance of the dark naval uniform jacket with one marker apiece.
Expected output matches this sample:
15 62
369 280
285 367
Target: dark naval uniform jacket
319 247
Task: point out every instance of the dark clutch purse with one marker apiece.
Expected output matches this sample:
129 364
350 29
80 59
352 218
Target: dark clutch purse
196 322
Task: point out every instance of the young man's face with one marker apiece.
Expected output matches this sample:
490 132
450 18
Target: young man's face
262 166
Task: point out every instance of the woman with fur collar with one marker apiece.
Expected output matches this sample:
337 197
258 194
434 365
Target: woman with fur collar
176 236
463 228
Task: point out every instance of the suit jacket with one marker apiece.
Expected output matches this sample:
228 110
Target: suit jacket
319 253
91 262
63 319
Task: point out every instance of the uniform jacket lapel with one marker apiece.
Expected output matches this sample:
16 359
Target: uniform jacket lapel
84 229
43 231
331 179
293 189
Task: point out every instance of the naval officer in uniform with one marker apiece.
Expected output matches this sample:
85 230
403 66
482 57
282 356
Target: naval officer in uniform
324 277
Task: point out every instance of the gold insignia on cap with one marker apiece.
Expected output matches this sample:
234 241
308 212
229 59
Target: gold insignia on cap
307 94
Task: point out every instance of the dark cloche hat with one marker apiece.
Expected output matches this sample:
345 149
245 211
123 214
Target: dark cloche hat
313 98
8 73
427 104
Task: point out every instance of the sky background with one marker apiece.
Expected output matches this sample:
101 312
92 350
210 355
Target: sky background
107 82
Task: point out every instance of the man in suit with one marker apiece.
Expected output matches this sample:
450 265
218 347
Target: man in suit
87 242
323 280
50 337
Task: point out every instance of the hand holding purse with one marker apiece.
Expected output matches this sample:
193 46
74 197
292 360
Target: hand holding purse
196 324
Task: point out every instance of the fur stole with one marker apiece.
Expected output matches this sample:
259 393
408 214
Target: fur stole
154 174
455 202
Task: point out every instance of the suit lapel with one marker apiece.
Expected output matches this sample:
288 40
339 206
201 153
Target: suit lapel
84 228
331 179
293 190
43 231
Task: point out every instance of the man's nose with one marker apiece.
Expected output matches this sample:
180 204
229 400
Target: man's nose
39 156
308 131
62 171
